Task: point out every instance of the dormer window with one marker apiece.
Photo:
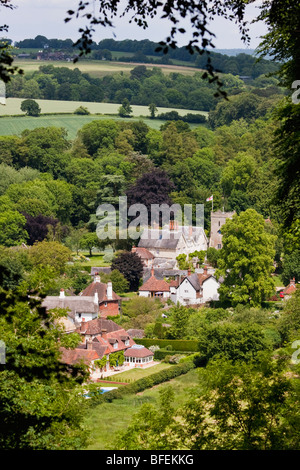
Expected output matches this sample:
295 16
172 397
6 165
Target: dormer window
115 345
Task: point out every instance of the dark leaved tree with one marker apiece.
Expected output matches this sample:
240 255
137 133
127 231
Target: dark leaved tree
151 188
130 265
38 227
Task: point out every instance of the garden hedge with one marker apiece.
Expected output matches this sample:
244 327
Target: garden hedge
162 353
177 344
144 383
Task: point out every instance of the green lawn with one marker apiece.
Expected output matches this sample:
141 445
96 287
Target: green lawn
106 420
139 373
95 260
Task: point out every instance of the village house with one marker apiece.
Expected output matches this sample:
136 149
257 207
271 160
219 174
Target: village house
153 287
79 308
195 288
170 241
185 289
108 301
289 290
146 256
97 299
100 339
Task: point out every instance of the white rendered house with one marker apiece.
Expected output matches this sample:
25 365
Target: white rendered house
195 289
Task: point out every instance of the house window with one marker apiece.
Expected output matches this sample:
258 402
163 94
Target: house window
186 291
127 342
105 304
219 246
115 345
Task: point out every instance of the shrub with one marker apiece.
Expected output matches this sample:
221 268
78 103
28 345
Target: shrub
82 110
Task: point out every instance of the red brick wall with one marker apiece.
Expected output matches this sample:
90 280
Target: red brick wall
111 309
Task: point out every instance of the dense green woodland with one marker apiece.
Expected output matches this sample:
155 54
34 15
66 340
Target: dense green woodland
47 179
142 86
246 345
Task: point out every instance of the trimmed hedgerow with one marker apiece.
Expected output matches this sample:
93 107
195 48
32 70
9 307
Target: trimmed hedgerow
144 383
162 353
177 344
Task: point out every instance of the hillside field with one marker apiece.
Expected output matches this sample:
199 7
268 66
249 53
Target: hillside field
118 414
14 125
100 68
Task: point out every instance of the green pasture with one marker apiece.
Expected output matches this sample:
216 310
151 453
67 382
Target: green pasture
14 122
106 420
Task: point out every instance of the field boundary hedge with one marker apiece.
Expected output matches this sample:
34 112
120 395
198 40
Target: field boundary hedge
177 344
144 383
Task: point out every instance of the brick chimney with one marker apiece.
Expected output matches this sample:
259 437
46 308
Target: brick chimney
97 278
62 294
89 344
205 270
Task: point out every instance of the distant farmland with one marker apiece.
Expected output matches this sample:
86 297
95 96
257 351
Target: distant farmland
13 106
100 68
11 125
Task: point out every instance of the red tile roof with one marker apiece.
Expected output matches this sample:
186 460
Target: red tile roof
74 356
97 326
119 337
142 252
290 288
155 285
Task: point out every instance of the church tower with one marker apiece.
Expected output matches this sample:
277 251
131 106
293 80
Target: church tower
217 219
